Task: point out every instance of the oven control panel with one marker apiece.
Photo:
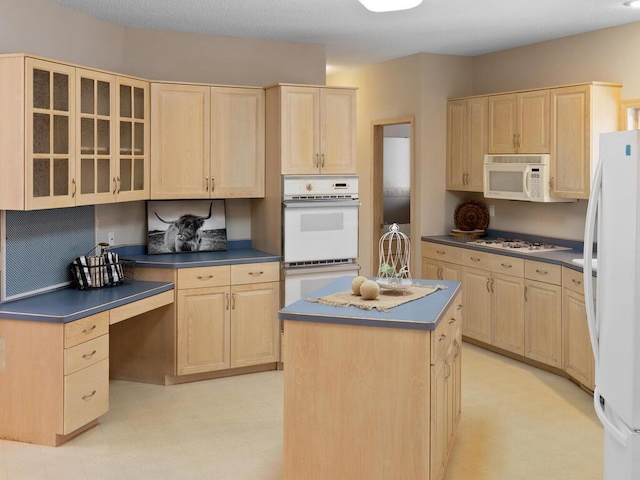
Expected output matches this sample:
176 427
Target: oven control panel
328 186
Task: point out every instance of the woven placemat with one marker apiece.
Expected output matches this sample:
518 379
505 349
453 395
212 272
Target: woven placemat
385 301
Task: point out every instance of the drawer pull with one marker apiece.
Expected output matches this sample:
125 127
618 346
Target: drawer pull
474 259
256 273
506 265
576 282
440 252
204 277
541 272
448 370
227 295
459 307
452 321
89 355
233 301
442 337
87 397
90 329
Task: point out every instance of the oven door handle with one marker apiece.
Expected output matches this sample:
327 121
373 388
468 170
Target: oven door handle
320 204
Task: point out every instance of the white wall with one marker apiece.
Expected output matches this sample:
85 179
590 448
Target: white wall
44 28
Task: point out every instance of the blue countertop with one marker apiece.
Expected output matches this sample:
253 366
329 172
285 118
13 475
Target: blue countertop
200 259
68 304
421 314
560 257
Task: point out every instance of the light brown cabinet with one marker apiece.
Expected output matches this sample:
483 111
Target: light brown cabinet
577 353
519 122
207 142
467 143
59 134
227 317
579 114
543 313
314 130
446 357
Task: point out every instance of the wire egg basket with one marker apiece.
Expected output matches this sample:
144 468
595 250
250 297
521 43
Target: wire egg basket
395 257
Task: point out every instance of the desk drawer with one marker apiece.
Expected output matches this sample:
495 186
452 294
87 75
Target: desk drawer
255 273
437 251
507 265
86 329
86 354
86 395
543 272
202 277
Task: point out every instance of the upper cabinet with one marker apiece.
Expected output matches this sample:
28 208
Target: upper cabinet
467 124
315 129
207 142
58 134
579 114
519 122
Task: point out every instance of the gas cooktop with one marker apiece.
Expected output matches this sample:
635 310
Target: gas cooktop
515 244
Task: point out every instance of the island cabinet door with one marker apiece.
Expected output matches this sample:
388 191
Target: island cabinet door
440 415
203 330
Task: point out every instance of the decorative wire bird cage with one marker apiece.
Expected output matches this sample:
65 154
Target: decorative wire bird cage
395 256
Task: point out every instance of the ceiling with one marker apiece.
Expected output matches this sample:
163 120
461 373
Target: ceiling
355 36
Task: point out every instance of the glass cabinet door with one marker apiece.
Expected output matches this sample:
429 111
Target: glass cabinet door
132 175
95 102
50 135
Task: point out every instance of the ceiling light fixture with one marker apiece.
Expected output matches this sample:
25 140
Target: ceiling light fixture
634 4
390 5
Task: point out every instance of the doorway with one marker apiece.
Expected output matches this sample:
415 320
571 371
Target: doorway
393 179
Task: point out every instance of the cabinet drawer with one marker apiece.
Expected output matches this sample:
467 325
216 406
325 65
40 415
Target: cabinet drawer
572 279
543 272
86 395
255 273
86 329
475 259
445 253
202 277
507 265
86 354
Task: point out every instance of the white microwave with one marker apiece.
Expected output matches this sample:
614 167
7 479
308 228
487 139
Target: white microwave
519 177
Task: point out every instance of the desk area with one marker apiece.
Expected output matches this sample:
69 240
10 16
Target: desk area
59 349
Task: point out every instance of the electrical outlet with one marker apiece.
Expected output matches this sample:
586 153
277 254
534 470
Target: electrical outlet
112 239
492 210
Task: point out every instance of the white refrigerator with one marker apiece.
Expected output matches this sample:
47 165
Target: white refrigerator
614 320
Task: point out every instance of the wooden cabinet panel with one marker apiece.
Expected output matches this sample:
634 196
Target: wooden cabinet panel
86 354
203 330
255 273
202 277
533 122
237 142
577 353
477 303
508 312
503 123
318 130
543 272
543 322
337 131
436 269
507 265
439 411
572 279
86 395
86 328
180 130
467 143
254 325
441 252
476 259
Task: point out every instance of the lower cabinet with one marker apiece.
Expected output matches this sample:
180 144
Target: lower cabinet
542 321
577 353
233 324
446 387
440 270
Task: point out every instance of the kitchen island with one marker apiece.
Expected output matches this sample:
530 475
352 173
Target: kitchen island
368 394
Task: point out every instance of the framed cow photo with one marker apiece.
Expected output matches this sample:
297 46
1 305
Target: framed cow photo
178 226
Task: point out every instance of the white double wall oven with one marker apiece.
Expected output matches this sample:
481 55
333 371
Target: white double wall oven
320 231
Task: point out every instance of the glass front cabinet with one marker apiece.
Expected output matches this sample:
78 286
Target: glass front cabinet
70 136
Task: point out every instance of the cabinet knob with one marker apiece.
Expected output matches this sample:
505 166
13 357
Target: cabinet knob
576 282
309 187
227 296
322 165
541 272
87 397
206 184
90 329
119 183
442 337
89 355
474 259
73 191
115 186
233 301
506 265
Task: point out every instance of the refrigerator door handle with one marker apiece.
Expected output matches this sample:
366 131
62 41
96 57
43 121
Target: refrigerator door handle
587 270
609 426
